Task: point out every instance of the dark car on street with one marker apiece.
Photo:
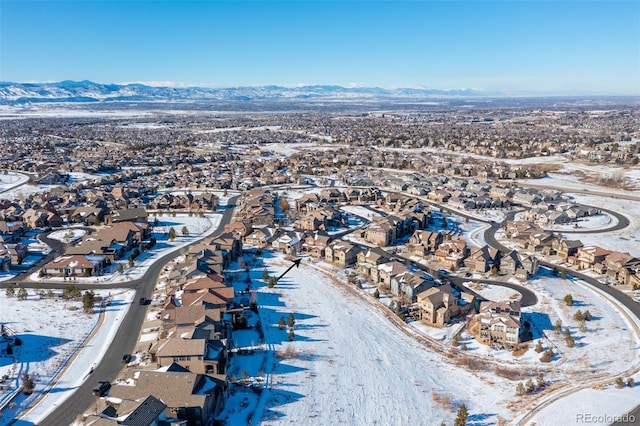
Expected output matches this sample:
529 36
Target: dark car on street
102 388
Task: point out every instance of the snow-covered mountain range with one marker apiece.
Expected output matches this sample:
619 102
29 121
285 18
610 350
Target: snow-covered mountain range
88 91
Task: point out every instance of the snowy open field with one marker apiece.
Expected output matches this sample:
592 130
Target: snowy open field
11 180
625 240
349 364
55 344
354 366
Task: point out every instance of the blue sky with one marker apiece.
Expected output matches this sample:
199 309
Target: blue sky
547 46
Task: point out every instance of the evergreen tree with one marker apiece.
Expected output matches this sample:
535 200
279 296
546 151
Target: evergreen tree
529 386
540 380
28 384
22 294
376 294
630 382
281 323
578 316
520 389
547 356
539 347
558 326
619 382
582 326
10 291
461 417
568 299
570 341
88 300
291 335
265 275
185 231
587 315
291 321
172 234
272 282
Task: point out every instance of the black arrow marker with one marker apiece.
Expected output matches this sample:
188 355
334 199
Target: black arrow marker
296 263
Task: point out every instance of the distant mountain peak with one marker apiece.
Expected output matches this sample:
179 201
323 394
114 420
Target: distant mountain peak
89 91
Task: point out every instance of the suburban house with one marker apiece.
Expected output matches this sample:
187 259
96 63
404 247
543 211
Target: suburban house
315 244
382 233
262 237
483 259
341 253
229 243
87 215
565 248
204 289
422 242
408 285
369 259
438 305
138 214
75 266
521 266
210 260
540 240
385 272
621 266
590 257
200 356
451 253
289 242
41 218
497 323
11 232
149 412
187 396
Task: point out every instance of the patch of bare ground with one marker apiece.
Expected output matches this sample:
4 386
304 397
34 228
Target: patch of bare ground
541 169
443 399
520 351
615 180
290 352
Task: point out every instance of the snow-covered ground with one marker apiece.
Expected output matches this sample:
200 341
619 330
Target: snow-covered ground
361 212
625 240
60 344
353 366
11 180
348 363
68 235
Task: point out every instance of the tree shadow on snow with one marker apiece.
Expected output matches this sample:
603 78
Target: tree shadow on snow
538 322
481 419
35 348
277 398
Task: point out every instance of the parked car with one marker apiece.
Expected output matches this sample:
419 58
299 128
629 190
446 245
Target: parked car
143 300
102 388
126 358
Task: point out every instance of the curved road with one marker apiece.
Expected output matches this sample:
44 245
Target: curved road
620 297
124 340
